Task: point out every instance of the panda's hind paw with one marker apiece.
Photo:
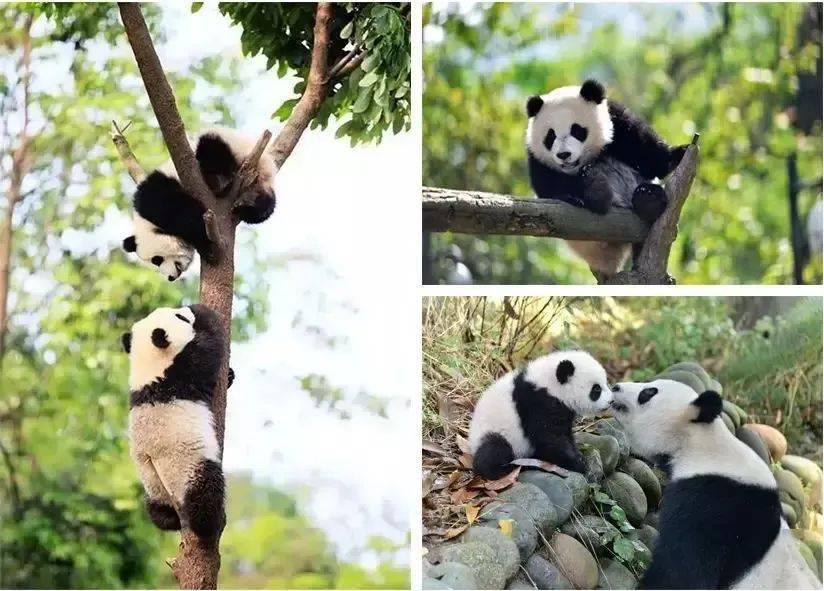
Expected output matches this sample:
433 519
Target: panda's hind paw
649 201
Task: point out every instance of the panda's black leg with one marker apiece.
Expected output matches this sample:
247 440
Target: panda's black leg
492 458
676 154
636 252
231 377
162 515
597 191
203 511
649 201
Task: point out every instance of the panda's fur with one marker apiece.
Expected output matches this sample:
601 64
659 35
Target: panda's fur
594 153
529 412
720 518
174 366
168 222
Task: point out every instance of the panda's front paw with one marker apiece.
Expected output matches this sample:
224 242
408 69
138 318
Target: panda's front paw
649 201
676 154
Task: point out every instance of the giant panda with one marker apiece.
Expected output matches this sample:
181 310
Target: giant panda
720 520
594 153
528 413
168 222
175 361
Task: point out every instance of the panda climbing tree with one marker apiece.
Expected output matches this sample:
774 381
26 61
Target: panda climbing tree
357 64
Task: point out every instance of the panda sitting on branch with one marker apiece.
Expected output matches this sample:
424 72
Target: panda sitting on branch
594 153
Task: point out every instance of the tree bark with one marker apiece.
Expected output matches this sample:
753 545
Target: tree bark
474 212
198 561
317 86
20 165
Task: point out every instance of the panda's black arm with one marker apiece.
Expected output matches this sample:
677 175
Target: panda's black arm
635 143
551 184
560 451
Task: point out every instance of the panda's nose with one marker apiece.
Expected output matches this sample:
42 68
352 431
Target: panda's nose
564 155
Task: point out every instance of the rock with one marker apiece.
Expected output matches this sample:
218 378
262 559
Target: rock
642 550
754 442
775 440
429 583
480 558
505 549
574 561
728 422
685 377
629 495
789 514
578 486
595 468
613 428
652 519
532 499
808 556
798 506
695 369
813 540
589 530
807 470
645 533
555 488
614 575
730 411
741 413
545 574
454 575
524 532
606 445
645 477
520 582
791 484
716 386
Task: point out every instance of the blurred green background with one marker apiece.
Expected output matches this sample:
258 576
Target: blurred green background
747 77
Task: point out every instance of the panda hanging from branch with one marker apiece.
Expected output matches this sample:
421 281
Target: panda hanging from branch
168 222
594 153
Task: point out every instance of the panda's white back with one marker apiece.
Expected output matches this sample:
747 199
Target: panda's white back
495 412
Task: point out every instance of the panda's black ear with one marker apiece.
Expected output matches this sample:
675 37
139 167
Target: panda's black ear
564 371
533 105
126 339
159 338
593 91
709 407
129 244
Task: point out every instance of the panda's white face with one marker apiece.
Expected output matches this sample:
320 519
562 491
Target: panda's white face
566 130
170 255
575 378
654 414
155 341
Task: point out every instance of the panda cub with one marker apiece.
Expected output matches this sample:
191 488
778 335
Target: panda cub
168 222
720 520
175 362
594 153
528 413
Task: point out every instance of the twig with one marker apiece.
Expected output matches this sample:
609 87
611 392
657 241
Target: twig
126 155
349 67
336 69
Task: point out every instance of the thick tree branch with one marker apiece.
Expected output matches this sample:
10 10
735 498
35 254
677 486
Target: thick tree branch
248 171
316 88
473 212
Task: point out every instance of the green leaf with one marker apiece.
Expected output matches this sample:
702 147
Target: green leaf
602 497
624 549
196 6
363 101
369 79
285 109
618 514
370 62
346 32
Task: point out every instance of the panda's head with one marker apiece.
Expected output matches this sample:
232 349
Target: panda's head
168 254
569 126
155 341
659 416
573 377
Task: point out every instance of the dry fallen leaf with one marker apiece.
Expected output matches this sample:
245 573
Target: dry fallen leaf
471 513
463 444
455 531
427 483
506 526
545 466
433 447
476 482
461 496
466 461
448 411
504 482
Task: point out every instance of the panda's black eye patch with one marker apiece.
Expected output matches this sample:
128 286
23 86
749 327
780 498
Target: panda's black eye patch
578 132
157 260
646 394
183 318
549 139
595 393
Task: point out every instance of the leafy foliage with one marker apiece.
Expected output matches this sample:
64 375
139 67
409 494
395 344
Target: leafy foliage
376 95
728 71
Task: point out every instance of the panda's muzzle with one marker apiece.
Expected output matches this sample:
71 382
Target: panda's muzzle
618 406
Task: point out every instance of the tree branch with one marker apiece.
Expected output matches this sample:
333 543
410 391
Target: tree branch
337 68
473 212
349 67
124 150
248 171
316 89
